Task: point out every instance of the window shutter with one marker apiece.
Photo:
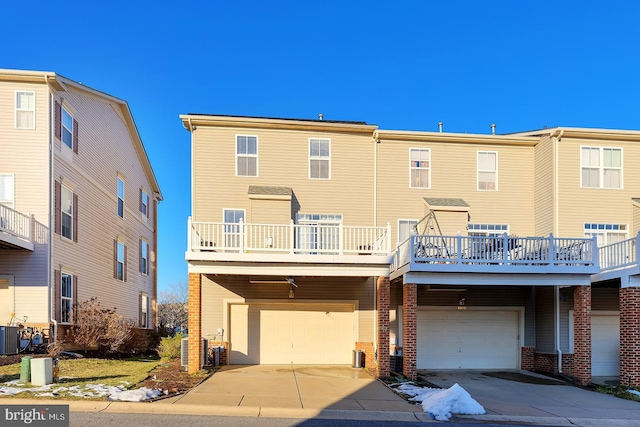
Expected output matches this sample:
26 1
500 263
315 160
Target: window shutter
140 200
58 202
75 298
140 255
125 263
148 206
140 312
57 296
75 136
75 217
115 259
58 119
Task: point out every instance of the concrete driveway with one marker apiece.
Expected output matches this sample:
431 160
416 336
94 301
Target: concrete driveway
296 387
528 396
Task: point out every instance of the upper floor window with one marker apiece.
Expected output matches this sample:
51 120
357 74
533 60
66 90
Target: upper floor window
120 197
25 110
487 170
246 155
319 158
6 190
405 228
144 257
66 297
489 230
144 203
606 234
420 167
67 213
120 271
67 128
601 167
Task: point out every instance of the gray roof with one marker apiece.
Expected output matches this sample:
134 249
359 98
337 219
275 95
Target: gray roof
636 199
270 191
445 201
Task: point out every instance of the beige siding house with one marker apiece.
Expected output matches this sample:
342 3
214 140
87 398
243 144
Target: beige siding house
78 204
311 241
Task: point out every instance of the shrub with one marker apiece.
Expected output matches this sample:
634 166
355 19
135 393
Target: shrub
99 328
170 346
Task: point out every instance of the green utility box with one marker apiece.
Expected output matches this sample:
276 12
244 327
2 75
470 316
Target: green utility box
25 370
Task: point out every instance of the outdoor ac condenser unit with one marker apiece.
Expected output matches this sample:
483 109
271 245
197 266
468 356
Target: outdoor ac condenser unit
8 340
184 352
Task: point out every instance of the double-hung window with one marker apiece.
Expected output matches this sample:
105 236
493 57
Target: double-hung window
420 167
6 190
601 167
144 203
121 255
246 155
319 158
25 110
120 197
67 213
487 170
144 257
144 310
66 297
67 128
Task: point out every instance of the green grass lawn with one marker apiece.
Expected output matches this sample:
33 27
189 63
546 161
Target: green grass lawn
76 374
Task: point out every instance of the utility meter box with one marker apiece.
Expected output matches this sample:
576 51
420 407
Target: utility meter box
41 371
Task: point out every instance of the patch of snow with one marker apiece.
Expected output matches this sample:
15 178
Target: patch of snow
637 393
11 388
442 403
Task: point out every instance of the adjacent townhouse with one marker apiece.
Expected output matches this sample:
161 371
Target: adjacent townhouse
310 239
78 204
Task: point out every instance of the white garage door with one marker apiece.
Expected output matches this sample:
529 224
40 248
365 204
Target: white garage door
468 339
301 334
605 344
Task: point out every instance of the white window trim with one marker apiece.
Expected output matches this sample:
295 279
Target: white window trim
145 202
487 231
63 298
145 256
120 279
478 170
15 98
601 168
605 231
419 168
144 309
62 212
398 226
257 157
64 109
325 158
124 192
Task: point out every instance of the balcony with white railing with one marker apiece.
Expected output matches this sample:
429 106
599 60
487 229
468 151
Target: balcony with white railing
495 254
15 229
619 259
219 241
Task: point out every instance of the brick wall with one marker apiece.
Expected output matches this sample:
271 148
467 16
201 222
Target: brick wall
195 322
223 354
369 358
409 329
384 298
582 334
528 358
548 363
630 336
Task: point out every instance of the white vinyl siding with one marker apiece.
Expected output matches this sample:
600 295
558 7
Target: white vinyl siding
420 168
601 167
66 297
25 110
319 158
7 190
246 155
487 170
67 213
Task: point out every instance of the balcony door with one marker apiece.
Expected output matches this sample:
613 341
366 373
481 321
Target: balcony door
318 233
232 231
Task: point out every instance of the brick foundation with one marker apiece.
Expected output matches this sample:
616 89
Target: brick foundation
409 329
548 363
528 358
369 357
582 335
384 297
195 322
223 354
630 336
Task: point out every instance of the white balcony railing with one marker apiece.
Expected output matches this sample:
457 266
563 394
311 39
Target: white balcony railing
15 223
500 250
289 238
619 255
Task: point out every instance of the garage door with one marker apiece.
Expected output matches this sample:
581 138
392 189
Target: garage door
605 344
467 339
291 333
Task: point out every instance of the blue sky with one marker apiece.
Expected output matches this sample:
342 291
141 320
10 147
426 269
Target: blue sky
400 65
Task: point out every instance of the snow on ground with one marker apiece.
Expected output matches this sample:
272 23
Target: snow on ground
637 393
441 403
120 392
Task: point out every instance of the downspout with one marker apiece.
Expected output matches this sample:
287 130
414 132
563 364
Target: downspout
557 325
51 225
556 183
376 141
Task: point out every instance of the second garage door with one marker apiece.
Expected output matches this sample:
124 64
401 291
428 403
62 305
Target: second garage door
467 339
605 343
291 333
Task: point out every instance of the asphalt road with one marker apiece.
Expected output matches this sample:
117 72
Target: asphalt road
93 419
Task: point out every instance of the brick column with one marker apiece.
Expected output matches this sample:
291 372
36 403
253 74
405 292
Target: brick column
195 323
582 334
630 336
384 297
409 329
